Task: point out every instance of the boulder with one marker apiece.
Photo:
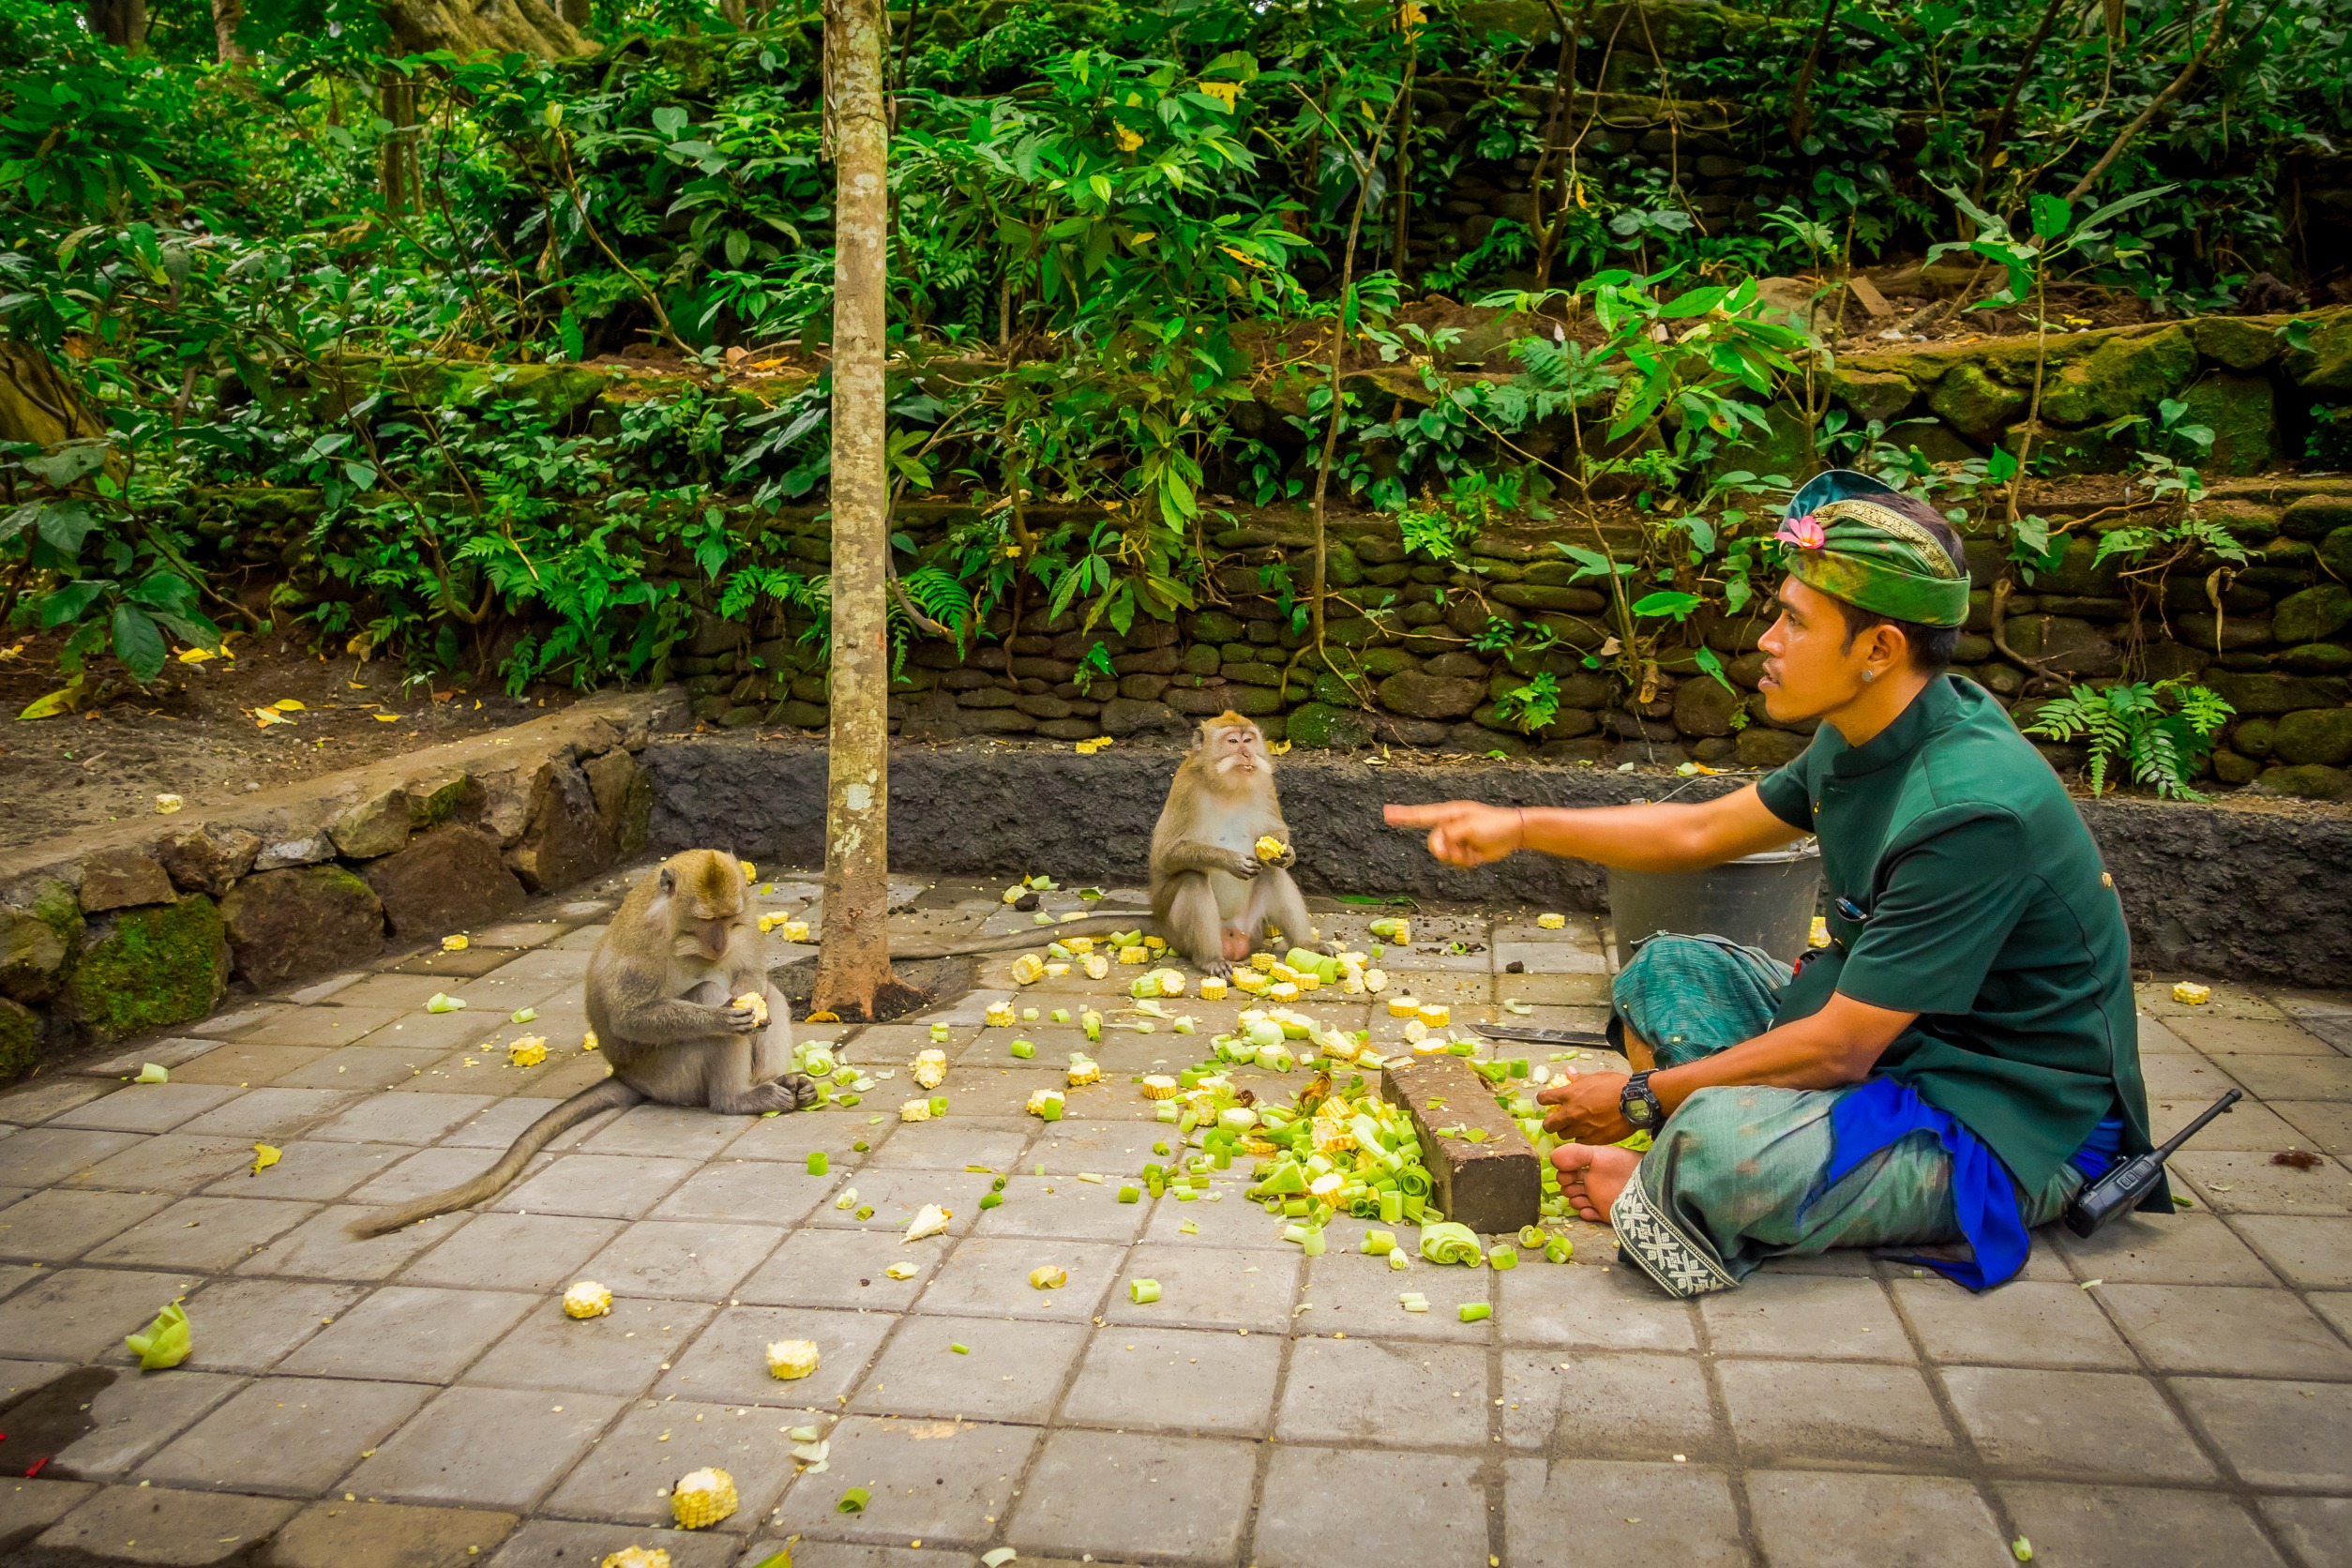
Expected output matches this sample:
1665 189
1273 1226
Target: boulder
292 833
2335 551
2314 735
1415 693
624 792
2202 628
1760 748
1124 716
123 879
2309 781
1705 706
2326 364
1417 732
1975 404
2235 341
446 881
934 717
20 1039
150 968
563 842
1214 626
1480 740
209 857
2125 372
1881 395
2315 517
2065 646
2317 658
375 826
2241 413
39 941
2313 615
1326 727
2269 692
301 920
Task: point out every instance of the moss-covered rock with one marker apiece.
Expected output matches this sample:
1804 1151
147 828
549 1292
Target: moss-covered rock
2308 781
40 940
2240 413
2313 615
2325 363
1882 394
2059 450
2236 341
2314 735
2335 552
151 967
2315 517
20 1039
1974 403
2126 374
1326 727
2266 691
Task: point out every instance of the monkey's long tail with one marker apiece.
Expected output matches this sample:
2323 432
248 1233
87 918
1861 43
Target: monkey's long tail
611 1095
1093 925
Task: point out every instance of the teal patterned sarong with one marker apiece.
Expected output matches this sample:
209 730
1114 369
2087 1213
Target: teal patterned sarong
1734 1177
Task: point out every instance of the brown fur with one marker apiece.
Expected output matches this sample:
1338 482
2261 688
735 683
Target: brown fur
1211 896
660 990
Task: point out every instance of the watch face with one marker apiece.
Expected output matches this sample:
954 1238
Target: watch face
1637 1112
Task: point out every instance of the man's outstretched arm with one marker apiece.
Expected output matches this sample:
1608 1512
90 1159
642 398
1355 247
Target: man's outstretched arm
1661 838
1828 1050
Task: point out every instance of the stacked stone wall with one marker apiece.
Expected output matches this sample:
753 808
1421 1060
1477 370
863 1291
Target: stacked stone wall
146 926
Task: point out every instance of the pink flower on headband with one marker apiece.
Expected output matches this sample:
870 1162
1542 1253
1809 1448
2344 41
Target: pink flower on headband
1803 532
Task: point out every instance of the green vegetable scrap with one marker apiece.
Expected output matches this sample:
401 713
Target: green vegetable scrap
166 1342
853 1500
1475 1312
1446 1241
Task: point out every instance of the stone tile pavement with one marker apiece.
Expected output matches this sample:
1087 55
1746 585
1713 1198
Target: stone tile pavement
2179 1390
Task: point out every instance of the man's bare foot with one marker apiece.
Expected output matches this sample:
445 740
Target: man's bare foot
1592 1177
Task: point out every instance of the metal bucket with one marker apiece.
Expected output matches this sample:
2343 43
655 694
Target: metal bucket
1763 901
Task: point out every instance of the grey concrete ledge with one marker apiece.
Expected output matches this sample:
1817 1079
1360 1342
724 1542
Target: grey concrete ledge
2243 888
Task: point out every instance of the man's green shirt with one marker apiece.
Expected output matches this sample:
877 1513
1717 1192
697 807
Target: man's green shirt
1986 912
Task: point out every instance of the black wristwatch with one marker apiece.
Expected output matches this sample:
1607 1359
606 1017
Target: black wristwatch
1639 1106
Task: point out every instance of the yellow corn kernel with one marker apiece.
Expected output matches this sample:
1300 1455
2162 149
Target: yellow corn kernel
1331 1137
1270 849
1281 971
635 1557
702 1499
1551 921
1159 1086
792 1358
1171 982
589 1041
2189 993
587 1298
1213 990
1045 1104
1306 983
756 1004
529 1051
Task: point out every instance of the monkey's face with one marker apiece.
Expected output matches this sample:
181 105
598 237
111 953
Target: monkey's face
1235 753
704 894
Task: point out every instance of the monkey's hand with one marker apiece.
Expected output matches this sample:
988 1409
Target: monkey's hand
738 1020
799 1089
1242 863
1289 857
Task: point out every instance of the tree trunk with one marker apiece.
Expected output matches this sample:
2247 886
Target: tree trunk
120 22
227 16
469 27
854 977
396 98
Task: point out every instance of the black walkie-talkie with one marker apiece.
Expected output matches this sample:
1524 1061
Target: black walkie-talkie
2121 1188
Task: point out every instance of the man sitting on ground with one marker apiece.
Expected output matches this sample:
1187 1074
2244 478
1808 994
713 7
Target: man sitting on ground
1961 1058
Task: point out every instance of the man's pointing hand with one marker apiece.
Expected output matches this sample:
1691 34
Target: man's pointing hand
1463 832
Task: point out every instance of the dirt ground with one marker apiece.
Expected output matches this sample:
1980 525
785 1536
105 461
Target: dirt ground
194 732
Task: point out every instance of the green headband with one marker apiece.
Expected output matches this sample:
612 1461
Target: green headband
1875 558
